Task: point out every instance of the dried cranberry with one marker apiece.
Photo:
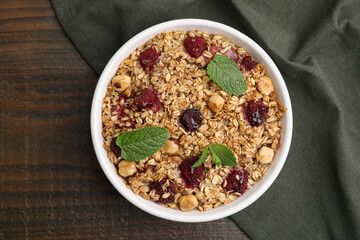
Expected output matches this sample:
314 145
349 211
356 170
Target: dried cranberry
214 49
120 107
255 112
191 176
160 190
190 119
115 148
118 110
237 180
149 99
174 141
247 64
232 53
206 60
195 46
148 58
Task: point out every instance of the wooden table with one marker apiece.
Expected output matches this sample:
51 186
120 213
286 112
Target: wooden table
51 185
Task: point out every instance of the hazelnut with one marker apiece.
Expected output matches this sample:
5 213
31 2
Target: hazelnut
126 168
265 85
216 103
170 147
121 82
188 202
265 155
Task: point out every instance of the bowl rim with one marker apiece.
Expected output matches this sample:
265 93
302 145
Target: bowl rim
115 179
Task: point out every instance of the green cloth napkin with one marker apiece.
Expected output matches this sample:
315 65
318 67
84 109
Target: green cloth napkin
316 45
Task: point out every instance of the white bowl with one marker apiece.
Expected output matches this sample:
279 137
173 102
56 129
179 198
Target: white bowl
259 55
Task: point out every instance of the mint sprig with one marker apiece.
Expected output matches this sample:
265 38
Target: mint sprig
225 73
220 154
202 158
223 153
139 144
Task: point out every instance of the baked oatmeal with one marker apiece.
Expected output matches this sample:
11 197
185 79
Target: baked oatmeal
165 83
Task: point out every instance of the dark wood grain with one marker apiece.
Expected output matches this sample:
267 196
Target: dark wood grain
51 185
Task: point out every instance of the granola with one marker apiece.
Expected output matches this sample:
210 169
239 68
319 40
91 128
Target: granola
161 80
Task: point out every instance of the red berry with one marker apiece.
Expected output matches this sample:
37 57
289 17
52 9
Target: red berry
214 49
160 190
118 110
174 141
191 176
236 180
247 64
232 53
149 99
191 119
255 113
115 148
120 107
148 58
195 46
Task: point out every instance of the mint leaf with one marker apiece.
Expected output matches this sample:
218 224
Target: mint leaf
225 73
224 154
220 154
202 158
215 157
139 144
